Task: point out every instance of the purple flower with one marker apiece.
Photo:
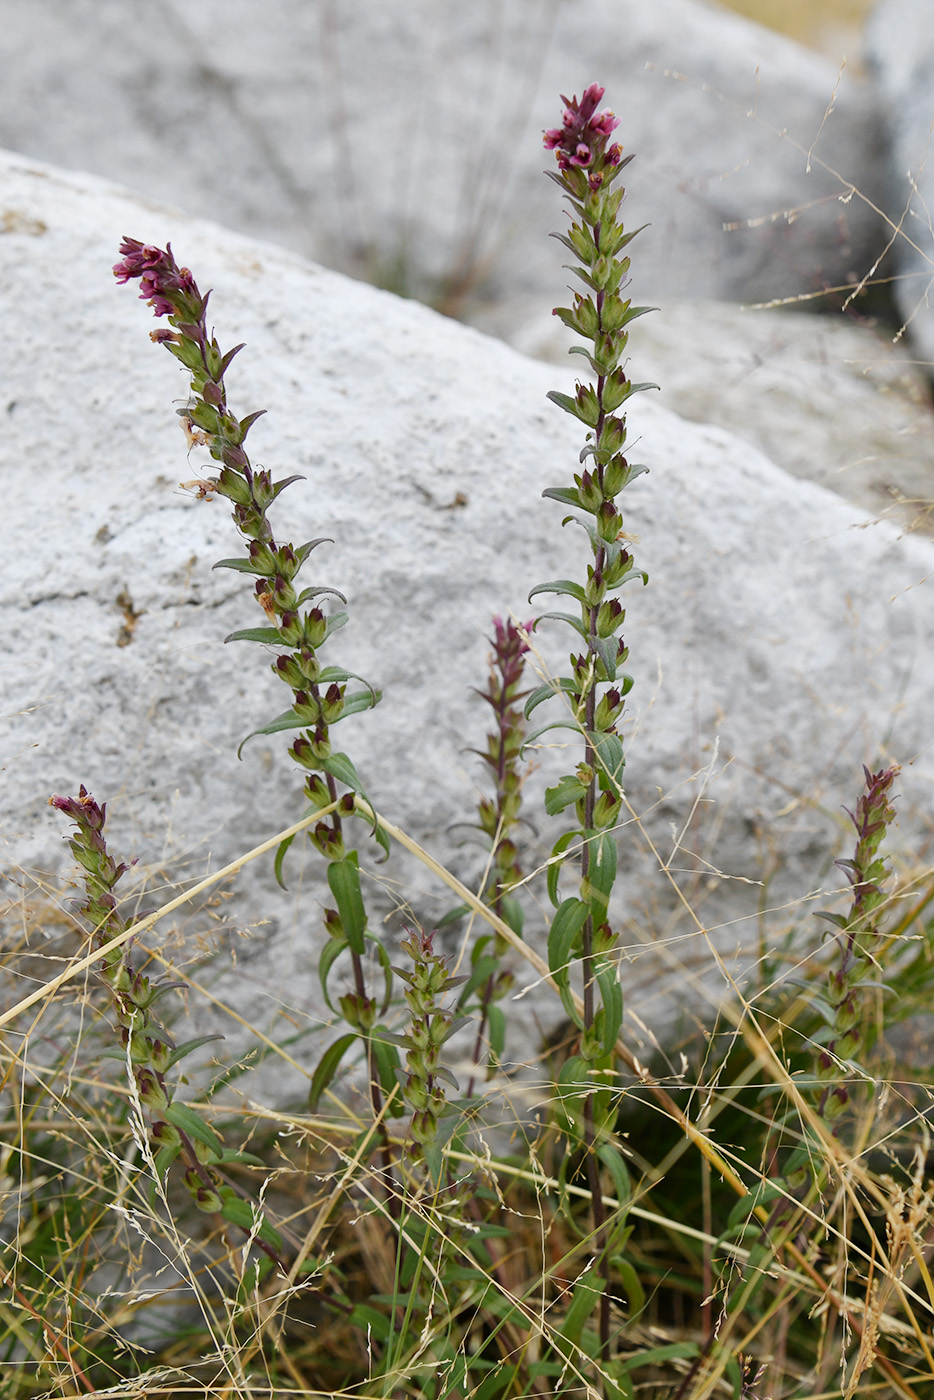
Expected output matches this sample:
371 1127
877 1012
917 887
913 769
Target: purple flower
581 139
164 284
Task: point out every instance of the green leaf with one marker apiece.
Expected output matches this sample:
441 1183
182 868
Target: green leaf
610 755
334 623
328 956
547 728
615 1163
242 566
240 1212
327 1068
453 915
671 1351
496 1022
569 789
269 635
281 849
388 1068
344 880
303 551
341 768
611 994
574 622
555 866
163 1159
562 585
287 720
562 936
567 495
360 700
585 1296
180 1115
512 913
187 1046
601 875
563 685
308 593
383 960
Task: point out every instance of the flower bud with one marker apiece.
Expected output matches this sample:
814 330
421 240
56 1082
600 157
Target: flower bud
609 617
160 1055
151 1093
595 589
591 495
357 1011
605 810
328 841
316 789
315 628
608 710
165 1135
424 1127
306 707
261 556
333 703
291 630
609 522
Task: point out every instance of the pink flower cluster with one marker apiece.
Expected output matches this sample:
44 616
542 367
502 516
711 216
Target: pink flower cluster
581 139
161 279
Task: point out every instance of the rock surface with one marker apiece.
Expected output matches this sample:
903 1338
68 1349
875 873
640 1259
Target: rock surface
783 639
399 140
900 53
825 398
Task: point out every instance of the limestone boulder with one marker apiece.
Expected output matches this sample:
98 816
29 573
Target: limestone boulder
899 45
834 400
399 140
783 641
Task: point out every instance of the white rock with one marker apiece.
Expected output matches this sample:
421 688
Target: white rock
781 642
400 140
826 398
899 44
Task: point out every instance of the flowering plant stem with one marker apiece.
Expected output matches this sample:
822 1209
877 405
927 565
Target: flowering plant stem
295 624
497 818
588 170
177 1132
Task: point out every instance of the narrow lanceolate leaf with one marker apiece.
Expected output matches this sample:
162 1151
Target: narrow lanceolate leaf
180 1115
585 1299
567 495
329 954
562 585
609 753
308 593
555 866
288 720
601 874
187 1046
281 850
562 939
611 994
360 700
327 1068
344 880
242 566
562 685
269 635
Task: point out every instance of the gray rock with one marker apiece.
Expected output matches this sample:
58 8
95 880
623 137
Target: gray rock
400 140
779 645
899 44
824 397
